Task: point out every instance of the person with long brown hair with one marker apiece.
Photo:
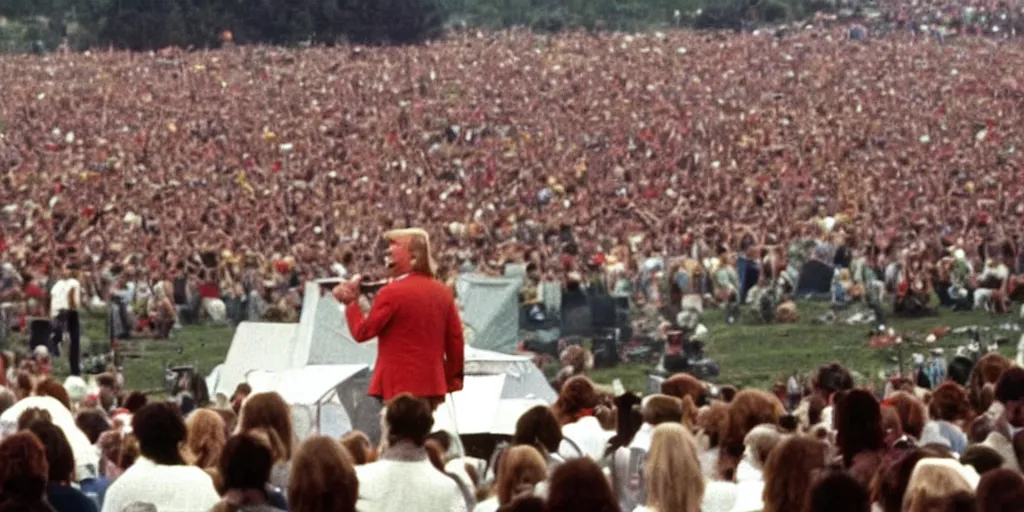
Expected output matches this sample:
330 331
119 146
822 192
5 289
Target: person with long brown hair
579 485
269 411
23 474
789 472
205 438
245 471
324 478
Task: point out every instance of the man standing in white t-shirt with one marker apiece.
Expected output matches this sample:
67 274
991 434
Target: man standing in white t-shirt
65 298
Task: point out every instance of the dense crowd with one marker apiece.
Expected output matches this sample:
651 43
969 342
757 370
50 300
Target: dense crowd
217 182
827 446
177 185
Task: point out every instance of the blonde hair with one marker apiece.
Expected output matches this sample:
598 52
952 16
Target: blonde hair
932 482
520 466
672 471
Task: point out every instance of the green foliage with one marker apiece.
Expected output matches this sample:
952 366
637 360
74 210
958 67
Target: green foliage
153 24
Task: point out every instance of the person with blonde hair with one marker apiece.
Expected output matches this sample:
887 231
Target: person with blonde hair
672 471
936 480
521 468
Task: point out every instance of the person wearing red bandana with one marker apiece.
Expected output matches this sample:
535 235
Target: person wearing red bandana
420 344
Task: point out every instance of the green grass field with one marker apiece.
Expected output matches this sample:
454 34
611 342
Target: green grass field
750 354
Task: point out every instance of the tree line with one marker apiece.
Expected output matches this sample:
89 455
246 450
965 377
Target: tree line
43 25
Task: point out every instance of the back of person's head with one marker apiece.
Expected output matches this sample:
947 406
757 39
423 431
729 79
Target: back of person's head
832 378
982 458
135 401
949 402
858 423
229 418
54 389
1000 490
245 464
323 477
59 456
986 372
750 408
269 410
837 491
683 384
92 423
160 430
1010 387
979 429
435 454
934 481
890 486
786 472
113 444
408 419
359 447
205 437
76 388
580 485
760 442
910 410
522 467
538 427
672 470
32 415
7 399
23 466
576 398
727 393
658 409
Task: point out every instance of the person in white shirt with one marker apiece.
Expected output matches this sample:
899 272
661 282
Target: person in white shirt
65 299
404 479
627 464
576 409
160 477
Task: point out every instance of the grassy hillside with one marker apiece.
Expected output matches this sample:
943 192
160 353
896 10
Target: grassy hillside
750 354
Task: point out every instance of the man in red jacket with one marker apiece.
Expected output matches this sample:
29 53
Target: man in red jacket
420 346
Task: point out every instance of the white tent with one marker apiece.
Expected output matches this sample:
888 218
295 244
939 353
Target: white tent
490 308
317 395
255 346
323 336
497 390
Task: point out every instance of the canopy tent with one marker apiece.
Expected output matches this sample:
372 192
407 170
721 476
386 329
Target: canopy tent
497 390
323 336
324 399
320 338
490 309
255 346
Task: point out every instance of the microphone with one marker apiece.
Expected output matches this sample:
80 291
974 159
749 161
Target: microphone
371 287
365 287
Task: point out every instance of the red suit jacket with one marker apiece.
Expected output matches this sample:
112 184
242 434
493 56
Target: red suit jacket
420 346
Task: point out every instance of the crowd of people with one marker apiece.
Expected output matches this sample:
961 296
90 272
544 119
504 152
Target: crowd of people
215 183
174 186
832 447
